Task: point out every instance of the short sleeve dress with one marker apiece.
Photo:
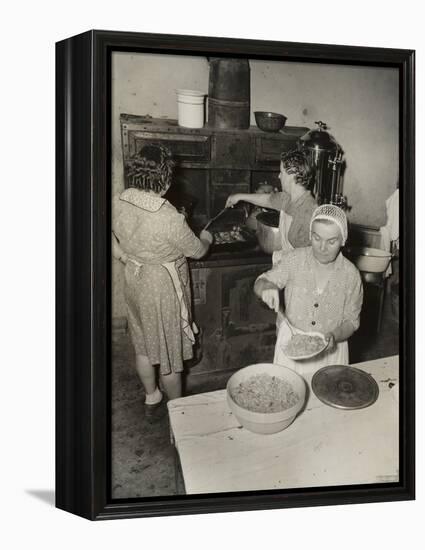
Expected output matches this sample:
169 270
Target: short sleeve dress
155 236
294 222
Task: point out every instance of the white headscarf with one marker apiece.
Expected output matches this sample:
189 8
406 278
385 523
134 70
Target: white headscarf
334 214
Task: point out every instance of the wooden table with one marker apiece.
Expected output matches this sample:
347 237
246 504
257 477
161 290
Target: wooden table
325 446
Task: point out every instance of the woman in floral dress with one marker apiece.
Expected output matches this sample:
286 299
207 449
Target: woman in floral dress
153 240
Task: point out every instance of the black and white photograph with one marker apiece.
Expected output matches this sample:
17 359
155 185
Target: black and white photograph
255 274
211 275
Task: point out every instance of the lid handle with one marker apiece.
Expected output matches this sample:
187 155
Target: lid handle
321 125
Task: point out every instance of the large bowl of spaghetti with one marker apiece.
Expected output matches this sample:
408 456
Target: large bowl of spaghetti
265 398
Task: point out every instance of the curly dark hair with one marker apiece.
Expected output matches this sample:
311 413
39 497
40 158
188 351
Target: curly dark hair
297 163
151 168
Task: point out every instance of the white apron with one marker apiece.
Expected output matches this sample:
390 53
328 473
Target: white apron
285 221
190 329
338 356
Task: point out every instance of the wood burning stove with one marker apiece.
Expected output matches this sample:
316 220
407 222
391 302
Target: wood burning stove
211 164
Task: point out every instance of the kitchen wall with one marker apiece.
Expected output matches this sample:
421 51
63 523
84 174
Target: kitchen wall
360 105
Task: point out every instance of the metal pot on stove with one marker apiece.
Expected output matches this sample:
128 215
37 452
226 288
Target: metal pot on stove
268 232
251 214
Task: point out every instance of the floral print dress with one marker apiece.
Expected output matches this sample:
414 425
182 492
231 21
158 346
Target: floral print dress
156 237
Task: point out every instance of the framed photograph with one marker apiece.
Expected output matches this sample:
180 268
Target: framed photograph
235 275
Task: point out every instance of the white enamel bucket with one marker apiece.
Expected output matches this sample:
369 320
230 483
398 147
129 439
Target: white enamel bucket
190 104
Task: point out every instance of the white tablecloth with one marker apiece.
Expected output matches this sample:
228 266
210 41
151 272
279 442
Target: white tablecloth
325 446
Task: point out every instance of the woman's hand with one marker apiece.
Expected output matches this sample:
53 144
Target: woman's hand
206 236
330 339
270 296
232 200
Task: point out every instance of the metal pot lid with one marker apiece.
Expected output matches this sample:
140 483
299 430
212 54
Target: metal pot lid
319 139
344 387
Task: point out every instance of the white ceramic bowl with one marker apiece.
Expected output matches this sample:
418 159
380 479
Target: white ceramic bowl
372 260
266 423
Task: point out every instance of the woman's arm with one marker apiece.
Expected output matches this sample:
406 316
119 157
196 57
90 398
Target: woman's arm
185 240
117 252
352 308
268 285
340 334
268 292
206 241
258 199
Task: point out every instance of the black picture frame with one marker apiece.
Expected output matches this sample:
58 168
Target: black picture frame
83 153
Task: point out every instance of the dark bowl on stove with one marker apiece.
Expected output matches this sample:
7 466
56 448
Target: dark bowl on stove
268 121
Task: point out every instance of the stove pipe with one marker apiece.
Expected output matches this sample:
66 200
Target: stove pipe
229 93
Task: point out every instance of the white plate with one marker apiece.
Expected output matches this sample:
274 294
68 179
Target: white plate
301 357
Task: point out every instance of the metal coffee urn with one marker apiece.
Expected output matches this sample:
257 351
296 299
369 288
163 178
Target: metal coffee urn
326 155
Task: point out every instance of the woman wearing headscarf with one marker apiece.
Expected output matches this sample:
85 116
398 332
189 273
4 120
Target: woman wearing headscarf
323 291
153 240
